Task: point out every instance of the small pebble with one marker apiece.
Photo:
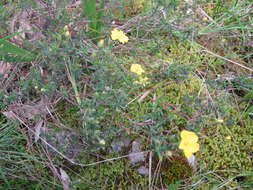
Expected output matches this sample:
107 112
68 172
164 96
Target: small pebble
136 154
143 170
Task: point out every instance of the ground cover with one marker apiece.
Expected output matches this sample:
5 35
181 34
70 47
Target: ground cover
96 95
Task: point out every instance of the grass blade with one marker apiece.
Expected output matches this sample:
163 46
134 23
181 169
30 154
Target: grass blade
9 48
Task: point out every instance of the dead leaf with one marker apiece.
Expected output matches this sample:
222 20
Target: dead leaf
65 180
74 4
5 68
38 127
136 154
20 23
250 43
10 115
143 170
145 94
30 23
29 111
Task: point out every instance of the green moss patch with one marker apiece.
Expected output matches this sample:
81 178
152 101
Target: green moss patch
227 149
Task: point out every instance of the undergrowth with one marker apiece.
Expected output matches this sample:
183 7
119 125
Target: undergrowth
76 99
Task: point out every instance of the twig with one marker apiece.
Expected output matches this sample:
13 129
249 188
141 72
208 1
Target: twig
150 171
146 93
73 83
157 170
204 14
226 59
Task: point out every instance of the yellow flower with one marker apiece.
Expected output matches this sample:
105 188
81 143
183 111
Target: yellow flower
102 141
189 143
66 30
101 43
228 137
119 35
189 147
189 136
205 19
123 39
115 34
137 69
188 154
142 80
67 33
220 120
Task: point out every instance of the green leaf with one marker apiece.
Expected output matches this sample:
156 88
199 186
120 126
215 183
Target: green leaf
89 8
100 15
249 95
19 54
93 15
12 35
174 186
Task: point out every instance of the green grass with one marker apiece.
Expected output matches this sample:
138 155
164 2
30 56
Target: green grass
91 93
95 16
17 53
18 164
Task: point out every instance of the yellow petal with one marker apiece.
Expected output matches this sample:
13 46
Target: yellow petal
119 35
142 80
137 69
205 19
123 39
115 34
189 136
193 147
182 145
188 154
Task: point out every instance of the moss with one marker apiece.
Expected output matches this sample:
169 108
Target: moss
228 157
2 118
175 168
69 114
114 175
133 7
